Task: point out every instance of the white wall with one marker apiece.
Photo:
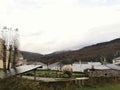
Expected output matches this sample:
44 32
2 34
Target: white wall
81 67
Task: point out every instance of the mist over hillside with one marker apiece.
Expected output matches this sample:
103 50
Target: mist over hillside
109 50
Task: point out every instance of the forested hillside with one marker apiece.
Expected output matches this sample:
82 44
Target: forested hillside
109 50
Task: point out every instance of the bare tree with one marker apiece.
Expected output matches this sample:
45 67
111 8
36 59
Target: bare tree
11 45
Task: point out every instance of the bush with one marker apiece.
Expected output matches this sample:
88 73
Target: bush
68 73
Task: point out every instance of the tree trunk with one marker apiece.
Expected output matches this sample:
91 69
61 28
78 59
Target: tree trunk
9 59
14 59
4 59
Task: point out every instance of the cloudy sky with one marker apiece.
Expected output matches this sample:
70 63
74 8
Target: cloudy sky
47 26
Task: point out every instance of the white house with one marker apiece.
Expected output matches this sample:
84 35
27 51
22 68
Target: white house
54 66
79 67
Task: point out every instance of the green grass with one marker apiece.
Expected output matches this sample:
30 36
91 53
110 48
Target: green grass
44 73
15 83
52 73
1 70
104 86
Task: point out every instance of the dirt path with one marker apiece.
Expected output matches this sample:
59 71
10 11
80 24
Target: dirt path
40 78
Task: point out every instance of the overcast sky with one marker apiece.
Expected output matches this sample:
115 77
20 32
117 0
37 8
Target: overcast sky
47 26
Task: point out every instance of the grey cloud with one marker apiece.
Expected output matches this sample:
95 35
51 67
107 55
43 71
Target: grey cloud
103 33
99 2
99 34
36 34
30 3
93 36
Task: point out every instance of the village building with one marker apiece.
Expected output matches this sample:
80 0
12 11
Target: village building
81 67
116 60
44 66
96 69
103 73
55 66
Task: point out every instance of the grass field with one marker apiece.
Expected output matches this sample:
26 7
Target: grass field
18 83
15 83
104 86
52 73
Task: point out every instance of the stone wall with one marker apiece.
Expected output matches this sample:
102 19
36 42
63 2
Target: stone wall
104 73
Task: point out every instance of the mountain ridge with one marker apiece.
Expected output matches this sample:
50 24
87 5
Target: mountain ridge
109 50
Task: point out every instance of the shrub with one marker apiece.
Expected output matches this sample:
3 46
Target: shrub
68 73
